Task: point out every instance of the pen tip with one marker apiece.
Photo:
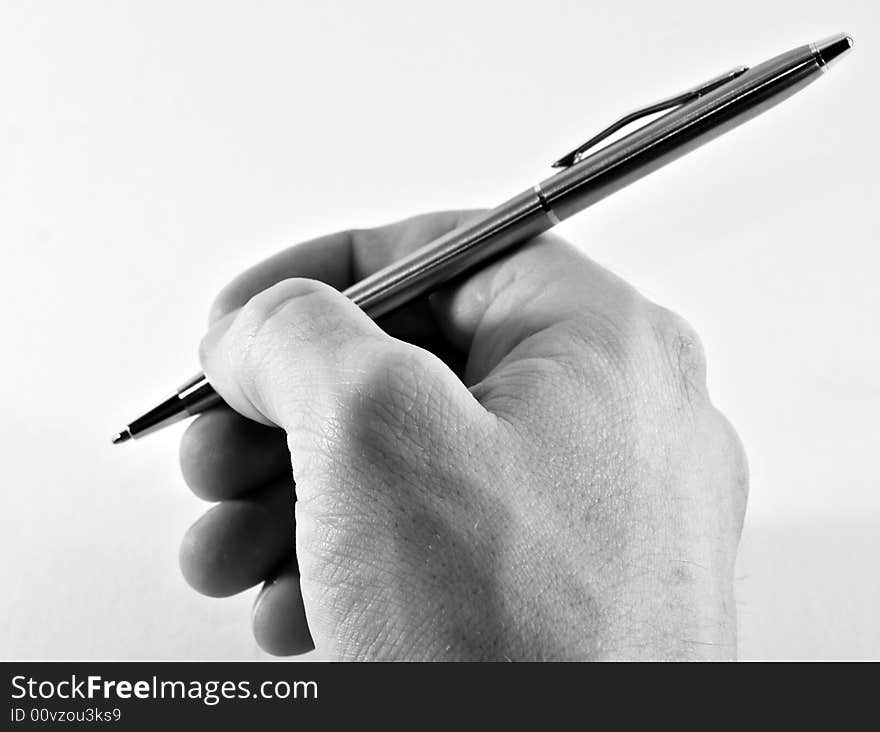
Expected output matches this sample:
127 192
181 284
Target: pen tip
121 437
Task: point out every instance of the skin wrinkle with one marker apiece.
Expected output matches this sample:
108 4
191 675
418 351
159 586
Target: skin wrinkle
683 361
260 320
483 335
359 627
403 605
264 325
611 482
571 366
563 509
428 516
396 409
487 330
565 584
558 561
270 320
390 425
337 549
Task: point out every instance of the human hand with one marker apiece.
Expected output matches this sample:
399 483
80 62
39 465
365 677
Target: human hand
524 466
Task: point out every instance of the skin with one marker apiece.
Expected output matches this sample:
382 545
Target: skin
524 466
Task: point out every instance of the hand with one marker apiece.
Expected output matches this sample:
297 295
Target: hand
524 466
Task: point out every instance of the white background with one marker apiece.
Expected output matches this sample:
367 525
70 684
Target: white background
149 151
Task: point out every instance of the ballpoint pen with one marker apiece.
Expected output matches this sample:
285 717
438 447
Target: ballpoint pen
696 116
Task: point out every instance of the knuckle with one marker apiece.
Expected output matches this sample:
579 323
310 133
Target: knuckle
255 341
613 330
290 310
681 349
270 307
299 309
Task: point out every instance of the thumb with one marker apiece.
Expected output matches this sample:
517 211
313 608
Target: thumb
302 356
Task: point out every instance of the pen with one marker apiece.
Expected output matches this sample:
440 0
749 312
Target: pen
696 116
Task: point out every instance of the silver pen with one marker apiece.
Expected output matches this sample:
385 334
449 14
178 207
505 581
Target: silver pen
696 116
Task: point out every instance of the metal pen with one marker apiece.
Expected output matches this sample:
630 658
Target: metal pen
696 116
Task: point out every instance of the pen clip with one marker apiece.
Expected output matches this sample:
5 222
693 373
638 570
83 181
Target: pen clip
569 159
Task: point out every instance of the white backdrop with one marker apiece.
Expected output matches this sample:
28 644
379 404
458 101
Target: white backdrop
149 151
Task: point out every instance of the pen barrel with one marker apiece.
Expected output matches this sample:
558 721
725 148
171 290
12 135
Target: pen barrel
517 220
680 131
197 395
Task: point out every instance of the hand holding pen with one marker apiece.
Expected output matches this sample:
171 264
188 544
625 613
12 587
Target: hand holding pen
525 465
698 115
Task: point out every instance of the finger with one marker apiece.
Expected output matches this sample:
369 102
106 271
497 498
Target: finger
239 543
298 354
224 456
279 618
